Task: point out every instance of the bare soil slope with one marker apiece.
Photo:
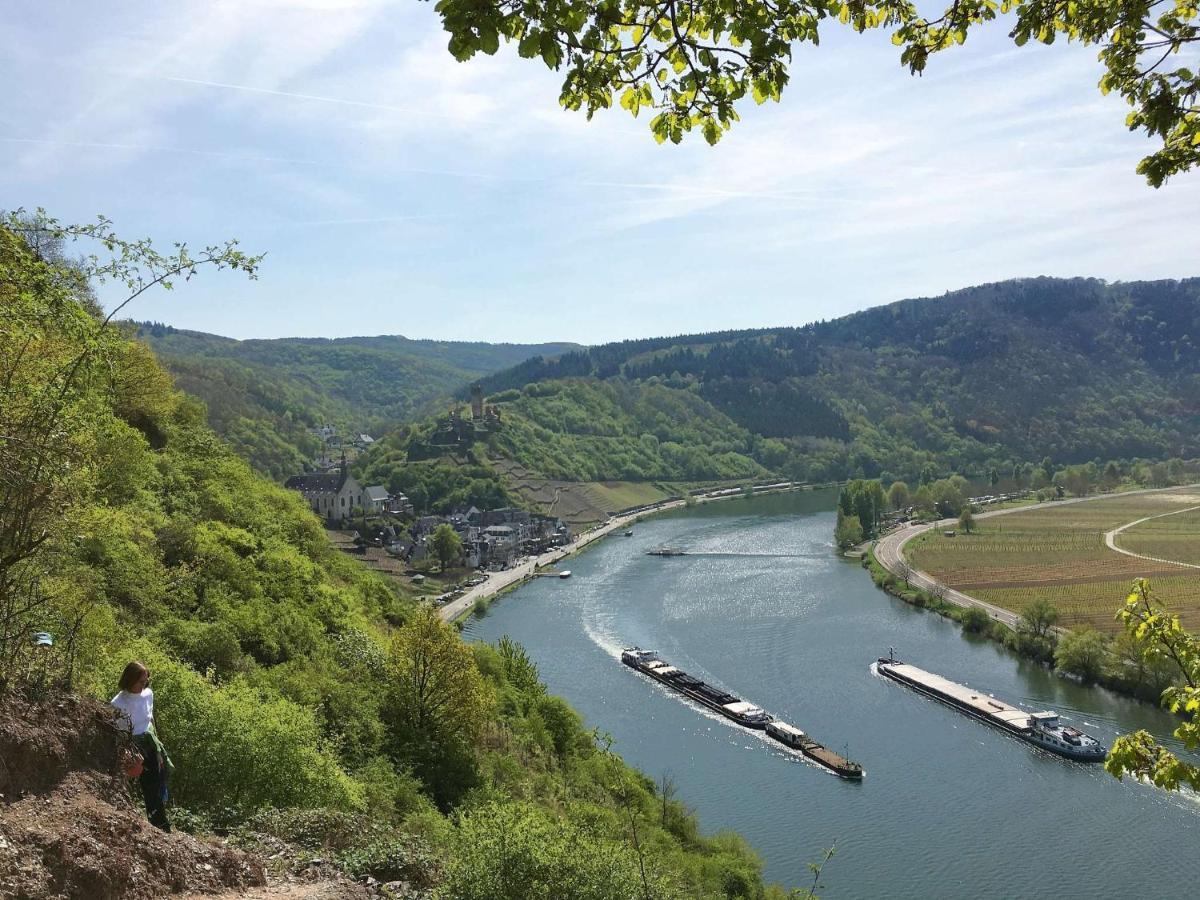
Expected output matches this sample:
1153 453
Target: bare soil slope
70 826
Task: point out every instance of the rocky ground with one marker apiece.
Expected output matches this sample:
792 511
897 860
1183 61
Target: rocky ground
72 826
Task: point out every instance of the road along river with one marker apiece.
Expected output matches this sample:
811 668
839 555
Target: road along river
763 607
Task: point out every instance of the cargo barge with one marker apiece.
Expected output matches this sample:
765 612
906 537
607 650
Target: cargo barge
648 663
793 737
1042 729
667 551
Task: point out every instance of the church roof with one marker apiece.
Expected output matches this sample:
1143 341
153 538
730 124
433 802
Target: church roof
317 482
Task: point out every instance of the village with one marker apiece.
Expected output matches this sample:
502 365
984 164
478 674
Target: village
492 539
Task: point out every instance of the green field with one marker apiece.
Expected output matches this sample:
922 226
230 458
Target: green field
1059 553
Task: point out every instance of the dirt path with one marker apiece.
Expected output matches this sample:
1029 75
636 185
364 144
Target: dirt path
1110 538
291 890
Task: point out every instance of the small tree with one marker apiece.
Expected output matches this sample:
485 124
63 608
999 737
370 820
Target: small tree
1039 618
1082 652
436 706
848 532
905 570
966 520
898 497
975 619
445 545
1139 753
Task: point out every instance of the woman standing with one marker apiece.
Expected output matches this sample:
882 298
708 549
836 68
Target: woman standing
135 703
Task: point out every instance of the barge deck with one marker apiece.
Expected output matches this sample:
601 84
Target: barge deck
745 714
1042 729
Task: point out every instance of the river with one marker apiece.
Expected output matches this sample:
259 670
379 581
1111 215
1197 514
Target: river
762 606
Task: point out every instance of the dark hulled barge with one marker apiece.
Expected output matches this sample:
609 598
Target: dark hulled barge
1042 728
791 736
648 663
745 714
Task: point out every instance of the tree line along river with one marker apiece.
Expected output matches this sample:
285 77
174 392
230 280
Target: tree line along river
763 607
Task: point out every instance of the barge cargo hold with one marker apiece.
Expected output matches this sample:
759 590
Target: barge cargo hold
667 551
648 663
1041 729
791 736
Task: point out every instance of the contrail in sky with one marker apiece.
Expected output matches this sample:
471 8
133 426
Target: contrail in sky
339 101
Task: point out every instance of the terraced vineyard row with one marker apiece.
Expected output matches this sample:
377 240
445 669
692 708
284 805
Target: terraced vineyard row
1059 553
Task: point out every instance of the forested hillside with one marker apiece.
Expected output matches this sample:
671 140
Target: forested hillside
297 693
978 380
264 396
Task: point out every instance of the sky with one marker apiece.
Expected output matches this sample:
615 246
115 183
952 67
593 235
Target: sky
396 191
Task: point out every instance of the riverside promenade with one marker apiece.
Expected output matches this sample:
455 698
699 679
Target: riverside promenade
508 578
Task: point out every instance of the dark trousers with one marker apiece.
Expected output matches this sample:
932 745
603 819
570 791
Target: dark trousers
153 781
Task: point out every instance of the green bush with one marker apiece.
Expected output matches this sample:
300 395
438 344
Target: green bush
237 749
976 620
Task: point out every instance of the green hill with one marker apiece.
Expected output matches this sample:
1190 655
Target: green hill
977 381
264 396
300 695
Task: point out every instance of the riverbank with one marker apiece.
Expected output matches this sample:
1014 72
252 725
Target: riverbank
502 582
764 608
893 573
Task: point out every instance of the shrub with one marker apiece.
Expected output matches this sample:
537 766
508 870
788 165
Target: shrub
976 620
237 749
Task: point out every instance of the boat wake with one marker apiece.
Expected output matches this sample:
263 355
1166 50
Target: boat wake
741 553
599 632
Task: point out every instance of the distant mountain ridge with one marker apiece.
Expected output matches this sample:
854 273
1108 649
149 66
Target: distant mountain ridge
264 395
980 379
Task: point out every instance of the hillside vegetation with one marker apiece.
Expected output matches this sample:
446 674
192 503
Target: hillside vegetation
977 381
299 695
263 396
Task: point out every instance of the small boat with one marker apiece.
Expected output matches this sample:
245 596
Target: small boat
667 551
565 573
629 533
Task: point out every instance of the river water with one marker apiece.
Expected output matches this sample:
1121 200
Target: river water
762 606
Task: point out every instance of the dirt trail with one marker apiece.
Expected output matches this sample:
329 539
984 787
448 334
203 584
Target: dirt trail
69 825
291 890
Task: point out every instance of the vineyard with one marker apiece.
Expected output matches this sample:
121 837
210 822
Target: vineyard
1059 553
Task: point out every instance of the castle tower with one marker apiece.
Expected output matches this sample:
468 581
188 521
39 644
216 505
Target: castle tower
477 401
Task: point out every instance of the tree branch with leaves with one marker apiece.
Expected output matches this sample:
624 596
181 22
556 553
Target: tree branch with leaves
694 61
1163 640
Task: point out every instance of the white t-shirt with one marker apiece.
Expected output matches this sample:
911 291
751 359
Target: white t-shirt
138 709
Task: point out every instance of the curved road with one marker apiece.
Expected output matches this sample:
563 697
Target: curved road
889 550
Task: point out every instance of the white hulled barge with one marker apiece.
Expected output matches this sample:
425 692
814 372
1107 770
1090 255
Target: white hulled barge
1041 728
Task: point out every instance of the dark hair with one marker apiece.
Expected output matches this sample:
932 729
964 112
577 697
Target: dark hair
132 673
